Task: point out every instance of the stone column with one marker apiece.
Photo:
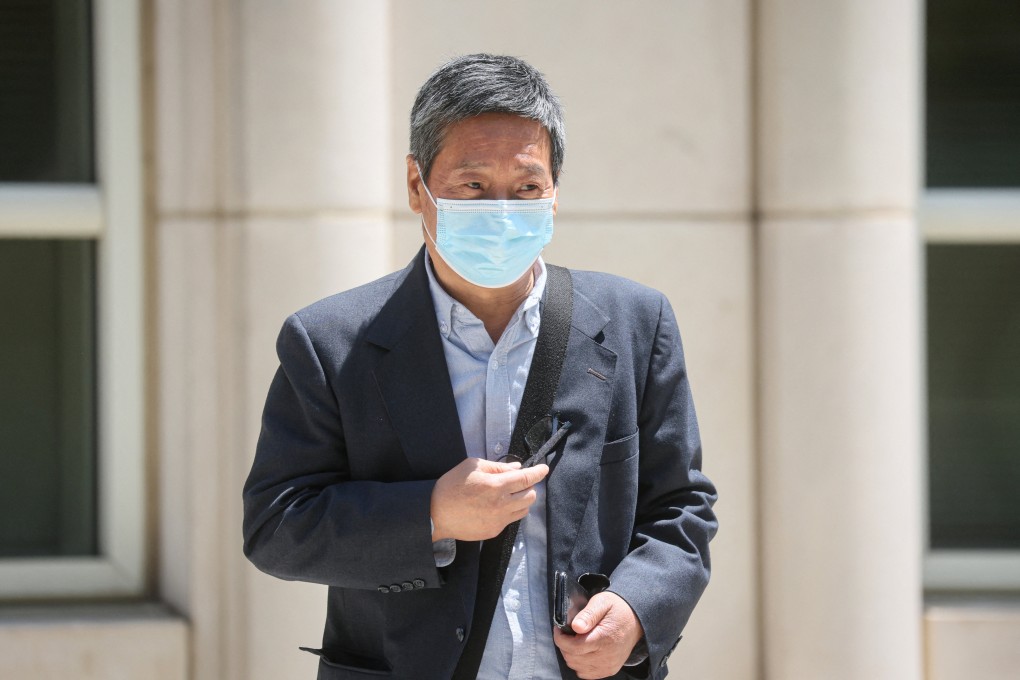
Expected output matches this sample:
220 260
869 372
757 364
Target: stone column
313 219
839 320
272 156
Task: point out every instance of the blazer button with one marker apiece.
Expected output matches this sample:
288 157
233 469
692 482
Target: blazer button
407 585
460 635
418 583
394 588
383 589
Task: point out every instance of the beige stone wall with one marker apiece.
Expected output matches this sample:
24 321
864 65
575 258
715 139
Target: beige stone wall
972 640
93 643
757 162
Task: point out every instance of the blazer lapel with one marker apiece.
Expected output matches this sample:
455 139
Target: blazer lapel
584 397
413 378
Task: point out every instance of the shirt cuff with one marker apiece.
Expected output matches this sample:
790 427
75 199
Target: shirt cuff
443 551
639 654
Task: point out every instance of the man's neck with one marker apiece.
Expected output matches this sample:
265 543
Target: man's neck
494 307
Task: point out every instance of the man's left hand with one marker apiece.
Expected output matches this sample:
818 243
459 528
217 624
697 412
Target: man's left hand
607 631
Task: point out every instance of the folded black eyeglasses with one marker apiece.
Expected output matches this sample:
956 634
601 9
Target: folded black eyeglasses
541 440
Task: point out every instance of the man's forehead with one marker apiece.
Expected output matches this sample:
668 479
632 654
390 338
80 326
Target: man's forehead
491 139
524 164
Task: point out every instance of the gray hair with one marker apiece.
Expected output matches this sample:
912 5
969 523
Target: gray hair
483 83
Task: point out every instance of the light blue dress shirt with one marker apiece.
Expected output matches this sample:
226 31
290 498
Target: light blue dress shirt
488 383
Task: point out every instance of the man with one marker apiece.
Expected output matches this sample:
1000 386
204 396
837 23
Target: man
383 463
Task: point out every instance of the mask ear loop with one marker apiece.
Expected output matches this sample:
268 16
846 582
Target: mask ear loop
427 234
426 186
424 227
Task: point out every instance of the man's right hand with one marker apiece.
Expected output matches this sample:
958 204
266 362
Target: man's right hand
477 498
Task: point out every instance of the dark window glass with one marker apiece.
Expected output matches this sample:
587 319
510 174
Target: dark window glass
47 398
973 93
974 395
45 91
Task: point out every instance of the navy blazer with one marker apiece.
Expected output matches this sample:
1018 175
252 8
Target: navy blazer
361 420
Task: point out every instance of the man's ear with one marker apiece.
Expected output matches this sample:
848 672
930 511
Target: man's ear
414 183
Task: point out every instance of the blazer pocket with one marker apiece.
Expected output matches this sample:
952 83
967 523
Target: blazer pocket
620 449
343 660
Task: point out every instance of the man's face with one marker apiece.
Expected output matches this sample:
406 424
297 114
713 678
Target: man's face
490 156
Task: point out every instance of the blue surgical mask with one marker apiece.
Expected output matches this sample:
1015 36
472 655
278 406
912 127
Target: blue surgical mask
491 243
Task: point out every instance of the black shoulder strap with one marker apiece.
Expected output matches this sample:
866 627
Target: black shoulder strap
539 391
547 362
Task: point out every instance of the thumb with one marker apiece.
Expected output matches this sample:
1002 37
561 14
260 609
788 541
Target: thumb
591 615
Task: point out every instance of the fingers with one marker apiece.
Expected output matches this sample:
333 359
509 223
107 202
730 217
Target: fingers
494 466
592 614
519 480
519 485
511 475
607 631
572 645
478 498
522 500
587 660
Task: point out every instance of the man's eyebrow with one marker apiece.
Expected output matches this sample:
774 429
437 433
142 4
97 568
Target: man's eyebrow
534 169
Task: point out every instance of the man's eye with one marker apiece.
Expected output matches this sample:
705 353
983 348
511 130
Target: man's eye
474 185
529 187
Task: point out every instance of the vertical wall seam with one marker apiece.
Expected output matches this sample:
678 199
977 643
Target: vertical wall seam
754 181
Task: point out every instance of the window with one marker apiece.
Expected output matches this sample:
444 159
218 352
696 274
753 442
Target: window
46 126
973 94
970 216
47 402
71 369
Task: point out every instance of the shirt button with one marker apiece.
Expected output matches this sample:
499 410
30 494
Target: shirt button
460 635
498 449
495 365
444 328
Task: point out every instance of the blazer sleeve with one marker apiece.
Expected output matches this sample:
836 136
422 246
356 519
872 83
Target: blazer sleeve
667 568
304 517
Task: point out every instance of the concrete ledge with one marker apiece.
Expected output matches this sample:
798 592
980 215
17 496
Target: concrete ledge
95 642
966 641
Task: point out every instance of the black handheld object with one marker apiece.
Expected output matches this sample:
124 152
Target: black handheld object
571 596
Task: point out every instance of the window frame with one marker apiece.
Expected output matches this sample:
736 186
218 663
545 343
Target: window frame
968 216
111 212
